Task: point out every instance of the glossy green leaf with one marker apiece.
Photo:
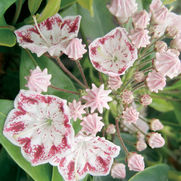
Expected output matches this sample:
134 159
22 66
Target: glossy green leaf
87 5
59 79
51 8
7 37
56 175
177 110
154 173
33 5
4 5
66 3
38 173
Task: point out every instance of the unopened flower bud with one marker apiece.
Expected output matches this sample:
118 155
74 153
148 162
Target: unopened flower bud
155 140
118 171
141 145
171 31
127 97
139 77
176 43
136 162
140 136
156 125
111 129
146 100
160 46
114 82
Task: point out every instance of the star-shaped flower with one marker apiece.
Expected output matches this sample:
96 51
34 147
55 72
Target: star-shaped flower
52 35
93 155
97 98
40 125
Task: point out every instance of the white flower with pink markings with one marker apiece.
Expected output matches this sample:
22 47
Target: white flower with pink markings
40 125
113 54
52 35
90 155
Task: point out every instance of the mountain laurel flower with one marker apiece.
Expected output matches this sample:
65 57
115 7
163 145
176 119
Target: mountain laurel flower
140 38
160 46
141 19
123 9
136 162
127 97
52 35
111 129
92 124
75 49
113 54
130 115
141 145
156 125
38 80
167 63
97 98
90 155
145 100
176 42
155 81
76 110
140 136
171 32
155 140
118 170
139 77
160 15
114 82
40 125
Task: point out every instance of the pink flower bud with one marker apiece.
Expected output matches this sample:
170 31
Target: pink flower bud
140 136
139 77
160 46
114 82
75 49
141 145
136 162
160 15
146 100
140 38
127 97
176 43
130 115
38 80
171 31
118 171
155 140
156 125
111 129
141 19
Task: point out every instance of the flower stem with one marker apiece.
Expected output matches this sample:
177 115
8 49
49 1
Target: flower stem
64 90
32 58
139 129
100 78
18 10
82 73
120 138
69 73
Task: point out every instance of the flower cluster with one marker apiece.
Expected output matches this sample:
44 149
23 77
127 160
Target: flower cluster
133 65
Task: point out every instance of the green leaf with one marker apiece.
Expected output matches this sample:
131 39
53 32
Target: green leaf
166 2
38 173
146 4
154 173
7 37
66 3
51 8
33 5
59 79
87 5
56 175
177 106
4 5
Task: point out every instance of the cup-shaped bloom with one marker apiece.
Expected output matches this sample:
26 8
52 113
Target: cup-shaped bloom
75 49
140 38
156 125
155 81
97 98
114 82
155 140
113 54
52 35
167 63
40 125
130 115
90 155
141 19
118 171
136 162
123 9
76 110
91 124
38 80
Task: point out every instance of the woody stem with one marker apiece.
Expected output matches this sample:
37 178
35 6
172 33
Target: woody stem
64 90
